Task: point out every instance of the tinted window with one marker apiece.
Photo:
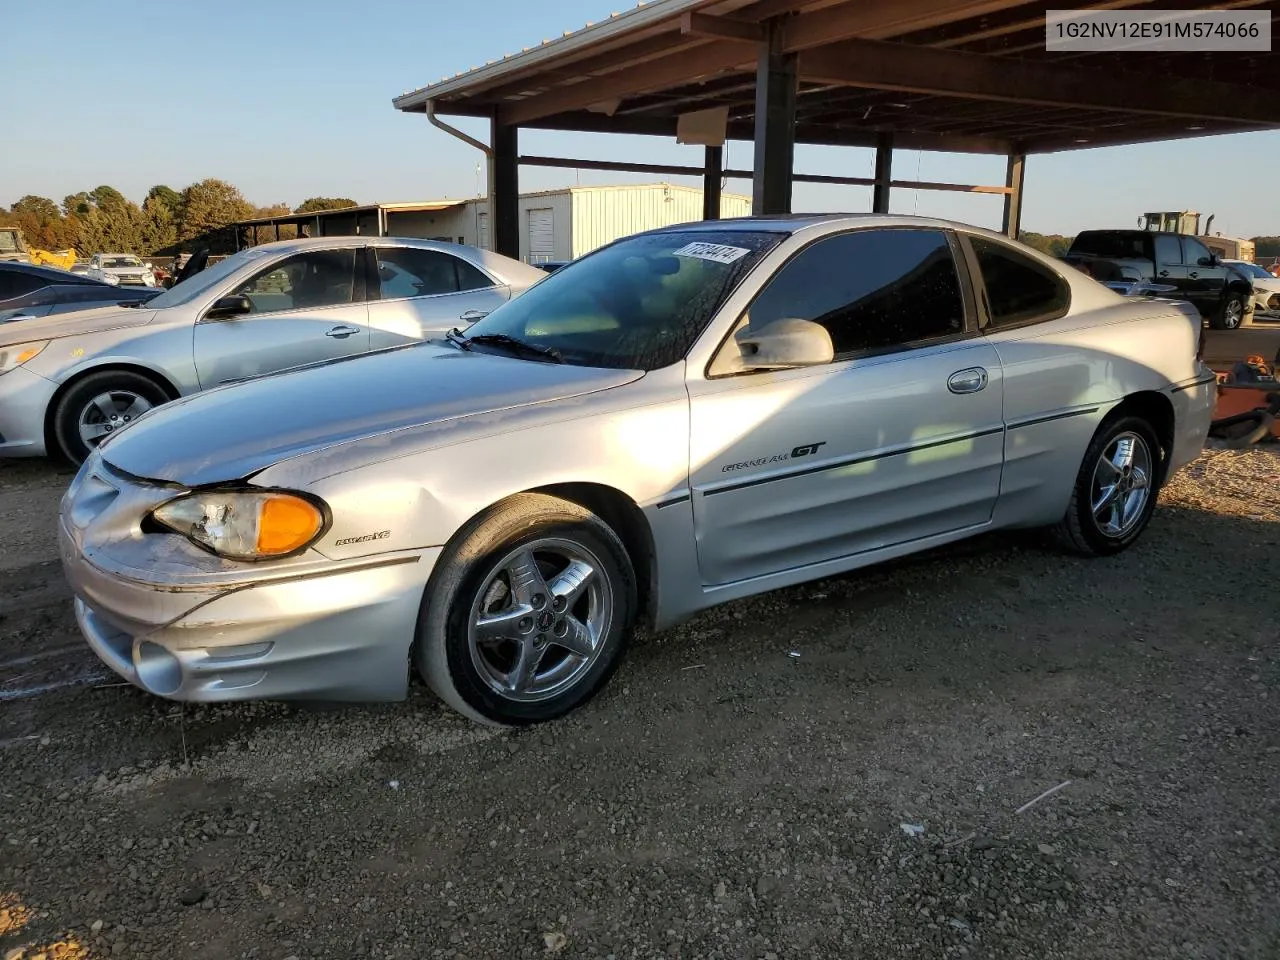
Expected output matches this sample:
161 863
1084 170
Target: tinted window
1018 288
1108 243
871 289
322 278
1167 249
637 304
1193 251
14 284
409 272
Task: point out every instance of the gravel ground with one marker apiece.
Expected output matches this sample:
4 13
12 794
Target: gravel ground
739 791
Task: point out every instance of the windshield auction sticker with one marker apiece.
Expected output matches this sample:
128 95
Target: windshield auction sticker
715 252
1154 30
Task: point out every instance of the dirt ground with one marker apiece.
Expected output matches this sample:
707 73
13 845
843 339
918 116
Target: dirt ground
834 770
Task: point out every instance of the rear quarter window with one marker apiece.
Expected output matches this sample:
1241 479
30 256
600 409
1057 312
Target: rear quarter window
1018 289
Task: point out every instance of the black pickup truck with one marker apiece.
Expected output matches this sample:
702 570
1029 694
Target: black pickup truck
1180 260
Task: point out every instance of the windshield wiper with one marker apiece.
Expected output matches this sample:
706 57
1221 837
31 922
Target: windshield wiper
518 346
455 337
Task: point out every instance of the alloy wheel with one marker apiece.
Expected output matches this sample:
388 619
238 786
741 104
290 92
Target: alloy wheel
1121 485
539 620
109 412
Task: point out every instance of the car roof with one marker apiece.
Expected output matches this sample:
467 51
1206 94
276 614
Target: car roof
38 270
506 269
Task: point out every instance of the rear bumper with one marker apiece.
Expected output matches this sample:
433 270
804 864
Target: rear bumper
24 401
1193 405
340 634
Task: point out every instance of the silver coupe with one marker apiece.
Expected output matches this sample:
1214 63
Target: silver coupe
684 417
69 381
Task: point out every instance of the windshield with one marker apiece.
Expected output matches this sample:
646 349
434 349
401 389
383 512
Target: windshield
1103 244
8 241
121 262
638 304
198 283
1251 269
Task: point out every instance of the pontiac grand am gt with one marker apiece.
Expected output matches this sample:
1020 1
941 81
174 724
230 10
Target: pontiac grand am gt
681 418
67 382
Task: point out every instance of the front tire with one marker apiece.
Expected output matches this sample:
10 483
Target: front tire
529 614
1231 314
1115 490
98 405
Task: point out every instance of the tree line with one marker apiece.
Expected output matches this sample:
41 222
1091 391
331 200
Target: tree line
168 222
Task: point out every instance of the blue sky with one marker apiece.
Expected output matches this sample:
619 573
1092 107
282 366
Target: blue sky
292 98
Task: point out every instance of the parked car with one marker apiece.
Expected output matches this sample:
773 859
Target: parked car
122 269
13 248
67 382
1180 260
28 291
683 417
1265 287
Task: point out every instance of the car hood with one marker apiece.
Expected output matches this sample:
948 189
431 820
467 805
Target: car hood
235 431
74 324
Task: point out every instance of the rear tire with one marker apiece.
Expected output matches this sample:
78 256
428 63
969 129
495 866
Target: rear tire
528 614
88 407
1110 505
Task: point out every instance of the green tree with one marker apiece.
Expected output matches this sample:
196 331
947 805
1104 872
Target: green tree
316 204
167 197
75 204
210 205
1052 244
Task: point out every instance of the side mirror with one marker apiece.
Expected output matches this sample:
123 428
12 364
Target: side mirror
226 307
1209 261
785 344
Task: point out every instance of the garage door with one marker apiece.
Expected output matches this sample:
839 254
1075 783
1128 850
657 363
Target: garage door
482 229
542 240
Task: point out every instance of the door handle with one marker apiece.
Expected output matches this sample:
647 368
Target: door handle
967 381
341 332
471 316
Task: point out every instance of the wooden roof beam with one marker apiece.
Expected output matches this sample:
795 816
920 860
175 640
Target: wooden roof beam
675 70
880 21
951 73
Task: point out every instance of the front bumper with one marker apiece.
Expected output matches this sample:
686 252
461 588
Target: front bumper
24 402
313 629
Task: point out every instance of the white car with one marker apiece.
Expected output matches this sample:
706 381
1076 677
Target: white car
121 269
1266 287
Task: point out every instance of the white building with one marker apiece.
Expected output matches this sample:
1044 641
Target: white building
554 224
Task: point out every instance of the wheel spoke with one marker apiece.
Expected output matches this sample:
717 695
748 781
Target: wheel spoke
89 432
1123 455
577 640
571 583
503 625
1106 464
106 405
526 667
1107 500
136 409
526 579
1140 479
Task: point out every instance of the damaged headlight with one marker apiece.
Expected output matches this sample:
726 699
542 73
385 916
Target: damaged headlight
246 524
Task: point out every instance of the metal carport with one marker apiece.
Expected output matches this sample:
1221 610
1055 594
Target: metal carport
947 75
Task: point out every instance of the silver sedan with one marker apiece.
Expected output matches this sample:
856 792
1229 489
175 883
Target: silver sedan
684 417
69 381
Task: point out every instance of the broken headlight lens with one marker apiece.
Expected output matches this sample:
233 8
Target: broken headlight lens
245 524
